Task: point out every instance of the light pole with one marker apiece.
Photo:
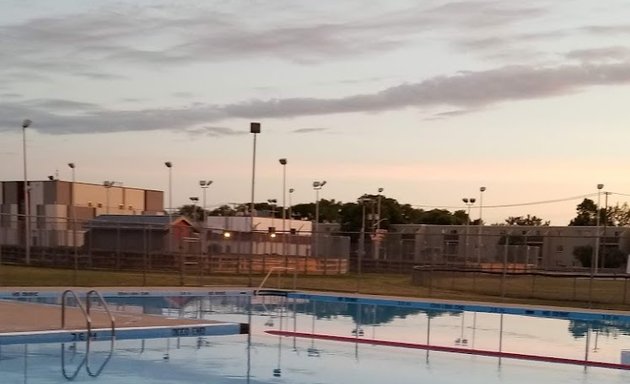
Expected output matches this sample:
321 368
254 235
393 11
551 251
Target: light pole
596 264
169 165
254 128
74 222
469 201
194 200
361 252
107 184
291 190
27 209
204 184
272 234
377 244
317 186
283 162
480 239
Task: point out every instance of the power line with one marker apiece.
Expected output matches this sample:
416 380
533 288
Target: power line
514 205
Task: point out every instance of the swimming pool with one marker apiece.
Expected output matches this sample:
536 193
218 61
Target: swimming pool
262 357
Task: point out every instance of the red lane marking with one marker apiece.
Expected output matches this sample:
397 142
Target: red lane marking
481 352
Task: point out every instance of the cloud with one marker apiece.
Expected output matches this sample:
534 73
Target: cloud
463 90
100 76
309 130
600 54
216 131
177 35
449 114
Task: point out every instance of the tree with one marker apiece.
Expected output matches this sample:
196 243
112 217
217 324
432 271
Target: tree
586 214
619 215
193 212
527 220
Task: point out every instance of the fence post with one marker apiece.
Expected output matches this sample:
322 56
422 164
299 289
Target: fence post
505 257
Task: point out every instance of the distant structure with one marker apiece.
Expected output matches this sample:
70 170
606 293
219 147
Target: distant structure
59 209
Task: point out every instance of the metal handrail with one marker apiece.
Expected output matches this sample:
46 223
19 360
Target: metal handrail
105 306
279 268
113 326
63 309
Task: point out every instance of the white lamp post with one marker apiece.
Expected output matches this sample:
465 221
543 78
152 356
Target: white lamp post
377 244
596 264
27 209
469 201
317 186
169 165
107 184
74 221
204 184
480 240
283 162
254 128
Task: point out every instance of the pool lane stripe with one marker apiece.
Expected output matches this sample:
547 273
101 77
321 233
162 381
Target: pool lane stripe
468 351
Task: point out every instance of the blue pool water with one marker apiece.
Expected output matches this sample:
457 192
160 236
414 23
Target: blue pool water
265 358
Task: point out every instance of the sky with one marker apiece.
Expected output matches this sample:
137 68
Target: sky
428 100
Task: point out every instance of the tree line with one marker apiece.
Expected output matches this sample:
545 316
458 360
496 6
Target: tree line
349 215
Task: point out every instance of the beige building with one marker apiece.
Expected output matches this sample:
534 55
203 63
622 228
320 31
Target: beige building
58 209
546 247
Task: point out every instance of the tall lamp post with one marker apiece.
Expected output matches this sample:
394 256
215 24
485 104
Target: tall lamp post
597 219
317 186
480 239
469 201
377 244
27 209
194 200
107 184
283 162
169 165
361 252
204 184
291 190
74 222
254 128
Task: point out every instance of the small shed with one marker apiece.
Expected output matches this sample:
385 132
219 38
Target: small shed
138 233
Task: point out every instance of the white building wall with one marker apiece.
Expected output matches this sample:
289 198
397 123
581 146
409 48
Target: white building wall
261 224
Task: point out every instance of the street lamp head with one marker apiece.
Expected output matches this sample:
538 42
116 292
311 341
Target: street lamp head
194 198
465 200
380 190
291 190
472 200
283 161
272 201
26 123
482 189
254 127
71 165
205 183
168 164
600 186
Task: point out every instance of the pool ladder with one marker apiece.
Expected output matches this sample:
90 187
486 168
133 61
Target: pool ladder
88 336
